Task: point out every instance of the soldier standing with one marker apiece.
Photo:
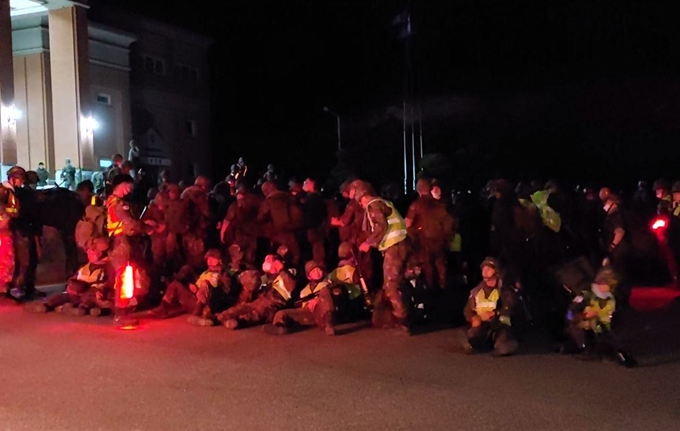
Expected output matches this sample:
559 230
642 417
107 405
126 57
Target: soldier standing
430 227
198 212
125 232
389 236
241 220
283 217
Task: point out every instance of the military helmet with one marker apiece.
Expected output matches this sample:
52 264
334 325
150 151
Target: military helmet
676 187
660 185
16 172
310 266
345 250
607 276
213 253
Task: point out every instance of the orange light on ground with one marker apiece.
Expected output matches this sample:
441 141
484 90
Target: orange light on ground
128 327
127 288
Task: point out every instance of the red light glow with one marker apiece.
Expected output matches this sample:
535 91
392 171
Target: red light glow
127 289
659 224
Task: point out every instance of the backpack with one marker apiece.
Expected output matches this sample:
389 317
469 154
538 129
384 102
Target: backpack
91 226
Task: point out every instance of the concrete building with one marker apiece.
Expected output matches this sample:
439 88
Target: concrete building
80 88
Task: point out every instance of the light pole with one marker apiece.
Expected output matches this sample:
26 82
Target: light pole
325 108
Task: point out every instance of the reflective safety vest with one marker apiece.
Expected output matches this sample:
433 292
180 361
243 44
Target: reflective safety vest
279 285
114 225
92 274
396 227
345 275
309 290
484 304
604 314
12 205
456 245
550 217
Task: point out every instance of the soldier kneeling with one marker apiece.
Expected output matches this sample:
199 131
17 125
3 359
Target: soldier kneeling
88 291
489 310
590 322
316 305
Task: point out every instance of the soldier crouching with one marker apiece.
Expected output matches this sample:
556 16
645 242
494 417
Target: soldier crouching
489 311
89 291
273 296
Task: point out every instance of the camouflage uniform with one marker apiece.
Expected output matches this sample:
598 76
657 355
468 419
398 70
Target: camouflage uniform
395 256
242 220
274 297
176 227
277 213
156 213
198 211
6 252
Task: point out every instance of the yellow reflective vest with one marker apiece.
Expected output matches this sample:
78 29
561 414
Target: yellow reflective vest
396 227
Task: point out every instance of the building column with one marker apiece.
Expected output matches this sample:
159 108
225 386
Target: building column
8 145
69 59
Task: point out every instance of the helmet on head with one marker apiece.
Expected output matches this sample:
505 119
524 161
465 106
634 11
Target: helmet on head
607 276
311 265
660 185
16 172
202 182
214 254
345 250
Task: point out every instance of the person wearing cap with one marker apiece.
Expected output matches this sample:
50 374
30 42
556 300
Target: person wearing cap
274 295
489 310
387 234
6 252
315 306
590 321
88 291
125 231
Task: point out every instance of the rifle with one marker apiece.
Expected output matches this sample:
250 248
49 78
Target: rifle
362 281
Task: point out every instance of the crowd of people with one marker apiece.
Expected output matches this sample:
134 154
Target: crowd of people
255 250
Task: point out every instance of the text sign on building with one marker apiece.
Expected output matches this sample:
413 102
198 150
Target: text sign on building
156 161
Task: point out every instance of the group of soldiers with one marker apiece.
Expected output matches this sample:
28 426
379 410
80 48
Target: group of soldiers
236 255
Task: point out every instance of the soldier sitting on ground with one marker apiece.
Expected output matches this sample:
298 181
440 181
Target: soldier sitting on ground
90 290
214 294
315 306
275 295
489 310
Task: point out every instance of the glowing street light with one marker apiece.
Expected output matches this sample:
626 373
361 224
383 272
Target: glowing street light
13 114
90 125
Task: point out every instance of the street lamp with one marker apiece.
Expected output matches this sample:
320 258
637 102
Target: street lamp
325 108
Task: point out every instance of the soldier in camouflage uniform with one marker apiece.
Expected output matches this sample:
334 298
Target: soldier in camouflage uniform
6 252
198 213
388 234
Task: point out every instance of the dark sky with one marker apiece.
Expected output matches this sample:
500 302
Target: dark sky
577 89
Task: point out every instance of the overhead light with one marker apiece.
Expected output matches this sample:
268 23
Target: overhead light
89 124
12 114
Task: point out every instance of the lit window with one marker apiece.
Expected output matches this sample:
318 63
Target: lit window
105 163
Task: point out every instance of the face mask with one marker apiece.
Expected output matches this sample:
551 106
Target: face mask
607 207
266 267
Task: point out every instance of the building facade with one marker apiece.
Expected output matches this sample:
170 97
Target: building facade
79 84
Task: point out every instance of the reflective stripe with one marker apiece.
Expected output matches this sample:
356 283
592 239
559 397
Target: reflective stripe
484 304
280 287
114 225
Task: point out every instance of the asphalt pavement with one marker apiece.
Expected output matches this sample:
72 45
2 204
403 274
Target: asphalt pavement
79 373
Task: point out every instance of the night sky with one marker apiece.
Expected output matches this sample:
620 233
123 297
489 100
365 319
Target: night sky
584 90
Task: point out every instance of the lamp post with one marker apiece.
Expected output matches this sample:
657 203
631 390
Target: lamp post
325 108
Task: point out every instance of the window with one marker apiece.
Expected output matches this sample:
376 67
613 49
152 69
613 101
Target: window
192 128
105 163
188 74
154 65
104 99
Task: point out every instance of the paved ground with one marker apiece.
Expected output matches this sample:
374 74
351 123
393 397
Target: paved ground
64 373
